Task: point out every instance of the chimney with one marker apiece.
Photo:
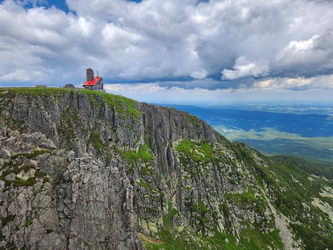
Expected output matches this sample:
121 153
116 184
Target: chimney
90 74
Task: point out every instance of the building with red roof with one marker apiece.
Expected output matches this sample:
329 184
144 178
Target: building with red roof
93 83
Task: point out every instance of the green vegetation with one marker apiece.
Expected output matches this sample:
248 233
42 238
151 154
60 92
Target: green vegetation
40 174
124 106
251 239
22 183
312 239
202 151
31 155
319 169
248 199
170 238
196 159
15 168
292 192
2 237
145 185
95 139
274 142
254 239
169 217
9 218
243 197
143 153
193 120
70 125
216 181
14 125
37 91
28 222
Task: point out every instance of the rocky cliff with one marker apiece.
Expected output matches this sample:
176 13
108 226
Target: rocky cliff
88 170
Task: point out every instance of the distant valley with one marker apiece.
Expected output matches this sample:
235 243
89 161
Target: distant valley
302 131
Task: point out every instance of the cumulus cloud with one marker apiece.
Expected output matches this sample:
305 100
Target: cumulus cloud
154 93
243 68
324 82
200 74
201 40
314 55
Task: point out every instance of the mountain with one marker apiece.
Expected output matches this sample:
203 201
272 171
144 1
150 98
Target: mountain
319 169
300 130
83 169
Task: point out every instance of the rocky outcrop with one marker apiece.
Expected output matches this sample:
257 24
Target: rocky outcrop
89 170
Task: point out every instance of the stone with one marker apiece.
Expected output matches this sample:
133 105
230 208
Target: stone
94 176
5 154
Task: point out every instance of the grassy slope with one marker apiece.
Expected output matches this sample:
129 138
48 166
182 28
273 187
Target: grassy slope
319 169
290 190
122 104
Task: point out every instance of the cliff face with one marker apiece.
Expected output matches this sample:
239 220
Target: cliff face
89 170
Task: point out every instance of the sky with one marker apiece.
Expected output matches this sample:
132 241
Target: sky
210 52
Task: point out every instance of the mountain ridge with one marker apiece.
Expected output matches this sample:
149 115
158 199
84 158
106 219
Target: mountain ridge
311 167
83 169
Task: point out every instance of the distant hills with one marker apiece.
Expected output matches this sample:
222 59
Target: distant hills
302 131
319 169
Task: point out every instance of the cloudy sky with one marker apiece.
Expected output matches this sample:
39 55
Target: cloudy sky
174 51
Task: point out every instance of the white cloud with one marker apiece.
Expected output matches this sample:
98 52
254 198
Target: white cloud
200 74
324 82
245 68
21 75
313 55
153 93
167 39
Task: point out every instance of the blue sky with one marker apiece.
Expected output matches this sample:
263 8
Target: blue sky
60 4
206 52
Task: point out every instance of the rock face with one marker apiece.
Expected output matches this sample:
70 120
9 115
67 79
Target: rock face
89 170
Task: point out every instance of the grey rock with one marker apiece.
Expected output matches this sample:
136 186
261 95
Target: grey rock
5 154
85 187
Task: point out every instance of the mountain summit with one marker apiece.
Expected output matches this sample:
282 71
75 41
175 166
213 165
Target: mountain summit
82 169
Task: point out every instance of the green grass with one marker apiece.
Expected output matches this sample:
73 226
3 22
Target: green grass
247 197
14 125
171 239
23 183
31 155
290 188
143 153
8 219
196 159
318 169
28 222
14 168
198 151
253 239
36 91
313 240
123 105
95 139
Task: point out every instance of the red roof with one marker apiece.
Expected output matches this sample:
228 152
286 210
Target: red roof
96 80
